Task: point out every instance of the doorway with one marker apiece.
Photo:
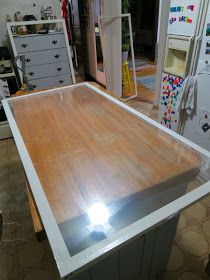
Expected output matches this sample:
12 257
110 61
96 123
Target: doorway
145 18
96 63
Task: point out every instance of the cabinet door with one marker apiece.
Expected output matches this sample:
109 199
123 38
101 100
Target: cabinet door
165 234
148 250
84 276
38 42
106 269
130 260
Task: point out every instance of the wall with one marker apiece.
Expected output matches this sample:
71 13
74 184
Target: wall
9 7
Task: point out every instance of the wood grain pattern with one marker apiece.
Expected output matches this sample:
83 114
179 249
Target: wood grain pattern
37 223
86 149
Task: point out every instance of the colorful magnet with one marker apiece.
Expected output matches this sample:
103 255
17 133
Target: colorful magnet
177 9
170 95
172 20
191 7
185 19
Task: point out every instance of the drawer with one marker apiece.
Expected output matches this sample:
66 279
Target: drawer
51 82
47 70
39 42
46 56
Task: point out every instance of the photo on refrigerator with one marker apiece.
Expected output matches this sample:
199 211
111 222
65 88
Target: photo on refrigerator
208 29
208 47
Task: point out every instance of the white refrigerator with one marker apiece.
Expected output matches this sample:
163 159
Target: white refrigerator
185 26
197 127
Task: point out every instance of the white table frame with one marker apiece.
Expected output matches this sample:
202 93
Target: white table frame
69 265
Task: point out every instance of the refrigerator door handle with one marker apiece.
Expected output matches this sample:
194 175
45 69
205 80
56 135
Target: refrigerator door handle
192 71
195 54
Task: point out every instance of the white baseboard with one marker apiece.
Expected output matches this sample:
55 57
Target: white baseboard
5 131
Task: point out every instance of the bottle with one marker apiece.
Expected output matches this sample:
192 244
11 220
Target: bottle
18 16
8 18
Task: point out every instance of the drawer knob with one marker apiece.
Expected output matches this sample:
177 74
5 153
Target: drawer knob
31 73
28 60
61 81
54 42
57 56
24 46
59 69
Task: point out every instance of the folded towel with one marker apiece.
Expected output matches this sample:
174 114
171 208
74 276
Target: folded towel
188 94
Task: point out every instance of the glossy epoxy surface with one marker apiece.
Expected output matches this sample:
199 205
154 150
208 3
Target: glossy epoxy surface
86 149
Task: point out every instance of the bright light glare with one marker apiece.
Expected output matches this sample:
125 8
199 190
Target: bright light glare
98 214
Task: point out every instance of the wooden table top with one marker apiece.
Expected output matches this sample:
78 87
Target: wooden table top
87 149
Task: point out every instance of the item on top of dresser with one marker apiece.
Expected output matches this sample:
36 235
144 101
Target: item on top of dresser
51 30
46 12
42 31
22 30
18 16
31 29
8 18
38 27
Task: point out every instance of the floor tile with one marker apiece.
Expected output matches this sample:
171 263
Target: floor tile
206 227
196 211
194 243
30 254
182 222
37 274
176 260
189 276
8 263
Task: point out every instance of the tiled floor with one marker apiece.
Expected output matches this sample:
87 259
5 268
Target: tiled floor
22 257
191 247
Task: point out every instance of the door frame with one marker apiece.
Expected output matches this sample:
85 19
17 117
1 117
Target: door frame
99 76
161 46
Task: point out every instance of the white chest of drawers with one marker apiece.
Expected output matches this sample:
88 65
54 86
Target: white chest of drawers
47 56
